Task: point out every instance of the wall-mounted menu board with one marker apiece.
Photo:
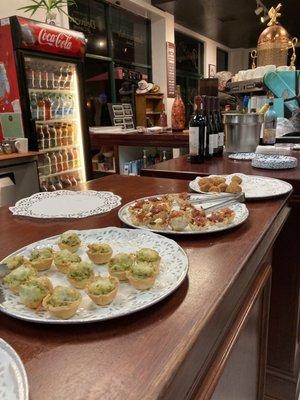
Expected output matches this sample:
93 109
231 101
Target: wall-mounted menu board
171 69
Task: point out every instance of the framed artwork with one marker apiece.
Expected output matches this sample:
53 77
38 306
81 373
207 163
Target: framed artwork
212 70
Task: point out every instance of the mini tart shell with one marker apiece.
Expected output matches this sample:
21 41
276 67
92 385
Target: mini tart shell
62 312
121 275
141 283
62 267
82 283
64 246
38 303
99 258
41 265
104 299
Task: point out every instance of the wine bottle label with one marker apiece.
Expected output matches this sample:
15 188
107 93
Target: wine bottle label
215 140
269 136
211 144
194 140
220 139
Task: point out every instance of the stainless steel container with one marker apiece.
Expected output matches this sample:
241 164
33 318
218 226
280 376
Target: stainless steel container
242 132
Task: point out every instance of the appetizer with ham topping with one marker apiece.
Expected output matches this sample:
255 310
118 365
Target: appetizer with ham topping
177 212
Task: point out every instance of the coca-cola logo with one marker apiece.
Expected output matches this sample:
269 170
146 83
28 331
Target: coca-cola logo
59 40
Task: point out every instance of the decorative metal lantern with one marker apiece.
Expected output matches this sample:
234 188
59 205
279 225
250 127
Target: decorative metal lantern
274 42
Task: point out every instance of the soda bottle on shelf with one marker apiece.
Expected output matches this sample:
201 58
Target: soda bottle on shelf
70 134
41 164
68 83
46 134
58 184
43 77
66 183
47 164
78 177
29 76
57 106
65 160
55 77
51 187
70 159
53 139
33 106
40 136
50 78
60 161
43 186
48 108
40 108
64 134
68 106
75 159
53 162
59 139
73 180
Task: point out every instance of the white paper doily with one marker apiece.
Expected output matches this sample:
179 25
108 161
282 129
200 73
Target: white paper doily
173 270
66 204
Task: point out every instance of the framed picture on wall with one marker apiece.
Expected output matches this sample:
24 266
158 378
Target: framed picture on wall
212 70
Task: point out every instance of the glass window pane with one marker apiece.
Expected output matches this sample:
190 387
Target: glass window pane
130 37
97 87
222 60
188 53
89 17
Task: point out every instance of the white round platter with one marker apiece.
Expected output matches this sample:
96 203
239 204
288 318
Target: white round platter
274 161
13 378
254 187
173 270
242 156
66 204
241 214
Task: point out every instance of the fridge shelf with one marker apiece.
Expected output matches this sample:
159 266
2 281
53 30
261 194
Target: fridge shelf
67 146
62 91
67 171
57 120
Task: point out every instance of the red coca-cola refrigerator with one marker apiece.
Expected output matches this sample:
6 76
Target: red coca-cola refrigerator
42 97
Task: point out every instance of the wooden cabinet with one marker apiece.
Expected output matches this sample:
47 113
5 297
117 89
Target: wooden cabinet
148 108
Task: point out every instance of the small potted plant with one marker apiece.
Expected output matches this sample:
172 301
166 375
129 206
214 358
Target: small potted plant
51 7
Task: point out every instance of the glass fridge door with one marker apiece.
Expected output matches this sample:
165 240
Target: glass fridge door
55 105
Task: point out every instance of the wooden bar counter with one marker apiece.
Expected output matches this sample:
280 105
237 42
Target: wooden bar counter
283 373
205 341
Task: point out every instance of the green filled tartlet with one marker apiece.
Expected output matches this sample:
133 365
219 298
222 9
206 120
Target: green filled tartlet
15 261
18 276
103 290
69 241
149 256
120 264
41 259
141 275
99 253
63 302
63 259
33 292
80 274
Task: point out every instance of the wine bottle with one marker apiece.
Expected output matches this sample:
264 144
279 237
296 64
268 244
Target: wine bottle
209 130
213 124
197 133
220 126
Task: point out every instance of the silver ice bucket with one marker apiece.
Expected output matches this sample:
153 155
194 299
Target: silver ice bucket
242 132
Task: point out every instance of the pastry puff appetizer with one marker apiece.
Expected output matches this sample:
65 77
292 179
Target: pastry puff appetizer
99 253
34 291
120 264
19 276
149 256
63 302
63 259
103 290
141 275
80 274
41 259
15 261
69 241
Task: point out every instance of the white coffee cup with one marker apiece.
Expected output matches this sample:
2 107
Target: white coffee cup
22 145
